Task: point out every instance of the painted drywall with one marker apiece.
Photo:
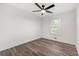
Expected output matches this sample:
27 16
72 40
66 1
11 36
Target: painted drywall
68 27
77 25
17 26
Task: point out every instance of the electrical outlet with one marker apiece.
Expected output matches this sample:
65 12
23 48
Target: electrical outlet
55 37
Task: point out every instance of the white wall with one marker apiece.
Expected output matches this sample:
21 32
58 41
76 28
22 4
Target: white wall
77 13
17 27
68 20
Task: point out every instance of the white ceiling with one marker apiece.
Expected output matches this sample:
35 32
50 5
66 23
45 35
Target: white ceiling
59 7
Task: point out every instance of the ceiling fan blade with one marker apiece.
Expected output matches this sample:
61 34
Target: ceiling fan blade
38 5
49 12
36 11
50 7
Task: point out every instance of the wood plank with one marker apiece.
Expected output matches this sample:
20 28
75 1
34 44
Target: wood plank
41 47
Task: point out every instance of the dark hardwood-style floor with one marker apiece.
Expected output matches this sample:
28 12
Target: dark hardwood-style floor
41 47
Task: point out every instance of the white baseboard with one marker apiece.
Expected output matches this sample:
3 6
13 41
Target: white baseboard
52 38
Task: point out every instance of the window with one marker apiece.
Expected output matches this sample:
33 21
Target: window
56 26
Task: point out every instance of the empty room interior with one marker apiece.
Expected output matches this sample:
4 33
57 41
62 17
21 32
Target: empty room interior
39 29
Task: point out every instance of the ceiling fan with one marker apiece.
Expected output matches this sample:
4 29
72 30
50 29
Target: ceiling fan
43 9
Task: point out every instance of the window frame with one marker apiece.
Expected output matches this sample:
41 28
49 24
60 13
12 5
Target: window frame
60 31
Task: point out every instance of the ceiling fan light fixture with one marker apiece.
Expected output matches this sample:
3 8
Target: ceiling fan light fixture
43 11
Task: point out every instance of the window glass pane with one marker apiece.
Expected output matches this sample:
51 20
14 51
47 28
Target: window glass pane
56 26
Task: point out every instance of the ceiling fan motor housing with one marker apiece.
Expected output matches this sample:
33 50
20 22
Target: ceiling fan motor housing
43 6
